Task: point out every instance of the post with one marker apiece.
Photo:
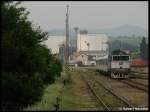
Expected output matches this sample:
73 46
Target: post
57 105
67 38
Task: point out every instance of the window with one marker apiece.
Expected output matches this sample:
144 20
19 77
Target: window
120 58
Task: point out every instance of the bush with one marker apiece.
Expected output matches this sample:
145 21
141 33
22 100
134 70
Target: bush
19 90
27 66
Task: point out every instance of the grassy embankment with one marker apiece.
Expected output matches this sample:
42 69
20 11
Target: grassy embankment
67 93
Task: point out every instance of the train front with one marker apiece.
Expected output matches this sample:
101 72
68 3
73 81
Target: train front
120 64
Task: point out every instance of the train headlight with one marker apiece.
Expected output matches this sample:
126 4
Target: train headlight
120 63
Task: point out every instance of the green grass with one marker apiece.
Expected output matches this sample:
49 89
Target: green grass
48 99
66 93
69 99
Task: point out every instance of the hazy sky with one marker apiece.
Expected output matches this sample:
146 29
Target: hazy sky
95 14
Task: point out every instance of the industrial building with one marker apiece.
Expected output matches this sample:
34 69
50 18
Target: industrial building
90 42
87 48
53 43
91 48
90 57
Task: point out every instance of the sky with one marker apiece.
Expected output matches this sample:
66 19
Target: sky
87 14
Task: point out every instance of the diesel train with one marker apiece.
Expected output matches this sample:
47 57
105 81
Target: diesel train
117 64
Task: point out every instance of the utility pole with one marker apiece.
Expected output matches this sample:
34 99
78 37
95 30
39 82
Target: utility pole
67 37
102 44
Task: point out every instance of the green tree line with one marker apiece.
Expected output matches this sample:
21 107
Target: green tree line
27 65
144 49
118 44
138 47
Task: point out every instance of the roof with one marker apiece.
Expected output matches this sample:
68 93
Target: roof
119 52
92 51
101 58
83 54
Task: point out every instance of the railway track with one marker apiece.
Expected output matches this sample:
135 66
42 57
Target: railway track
114 93
146 85
139 72
88 100
138 77
134 95
116 97
100 101
136 85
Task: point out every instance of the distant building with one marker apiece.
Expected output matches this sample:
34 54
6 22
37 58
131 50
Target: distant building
90 57
53 43
82 58
91 47
90 42
87 48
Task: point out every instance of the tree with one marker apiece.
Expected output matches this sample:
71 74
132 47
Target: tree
144 49
27 66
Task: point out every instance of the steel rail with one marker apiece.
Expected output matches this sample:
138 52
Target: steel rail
132 85
135 86
138 72
94 93
137 82
115 94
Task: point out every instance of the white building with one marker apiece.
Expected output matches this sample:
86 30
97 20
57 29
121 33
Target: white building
92 42
92 47
97 42
53 43
90 57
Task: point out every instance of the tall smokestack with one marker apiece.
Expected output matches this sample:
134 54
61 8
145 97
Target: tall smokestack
76 36
67 36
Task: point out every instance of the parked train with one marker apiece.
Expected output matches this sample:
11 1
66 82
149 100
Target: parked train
117 64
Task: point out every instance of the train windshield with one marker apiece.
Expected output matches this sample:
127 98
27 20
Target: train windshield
120 58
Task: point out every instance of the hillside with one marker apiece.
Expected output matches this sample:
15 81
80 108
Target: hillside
124 30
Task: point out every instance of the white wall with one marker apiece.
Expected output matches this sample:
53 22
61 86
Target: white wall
95 41
53 43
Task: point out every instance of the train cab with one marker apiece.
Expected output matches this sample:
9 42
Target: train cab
120 64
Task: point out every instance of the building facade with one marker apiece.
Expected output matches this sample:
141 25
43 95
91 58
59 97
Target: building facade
92 42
